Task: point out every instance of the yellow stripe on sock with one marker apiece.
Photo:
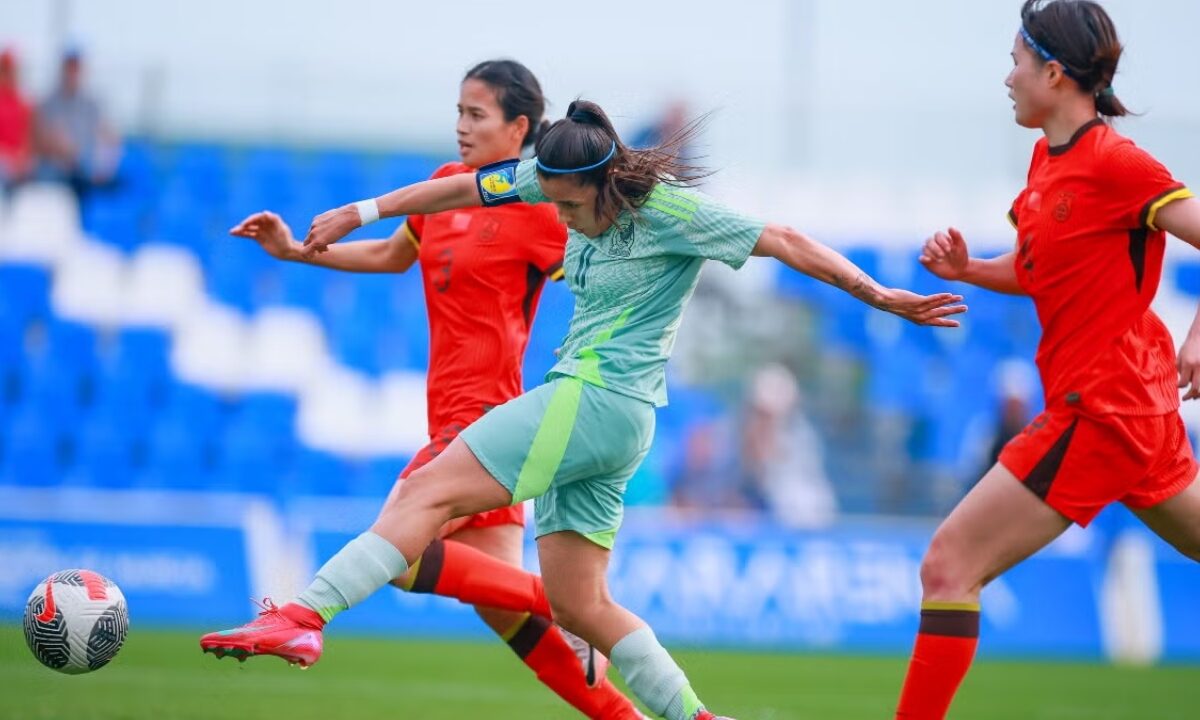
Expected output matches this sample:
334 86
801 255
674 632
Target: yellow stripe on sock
412 576
935 605
510 633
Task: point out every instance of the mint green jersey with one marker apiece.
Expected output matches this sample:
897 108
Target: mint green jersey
632 282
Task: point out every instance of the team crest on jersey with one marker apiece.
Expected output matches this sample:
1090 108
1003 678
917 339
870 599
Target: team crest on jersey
622 242
1062 208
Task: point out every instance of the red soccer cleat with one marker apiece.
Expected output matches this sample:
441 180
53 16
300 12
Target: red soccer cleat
292 632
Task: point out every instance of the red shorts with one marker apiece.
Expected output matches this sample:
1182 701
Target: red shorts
511 515
1079 464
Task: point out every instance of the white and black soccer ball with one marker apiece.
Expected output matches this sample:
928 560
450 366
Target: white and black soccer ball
76 621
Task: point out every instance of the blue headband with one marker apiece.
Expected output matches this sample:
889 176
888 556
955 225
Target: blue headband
1046 54
557 171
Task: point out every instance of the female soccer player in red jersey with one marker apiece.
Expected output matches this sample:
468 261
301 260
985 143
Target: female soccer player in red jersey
483 270
1091 225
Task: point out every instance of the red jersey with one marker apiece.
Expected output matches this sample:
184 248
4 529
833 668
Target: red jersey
1090 256
16 139
483 270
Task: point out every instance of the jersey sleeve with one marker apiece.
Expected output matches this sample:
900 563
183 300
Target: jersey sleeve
528 187
1014 211
705 227
547 243
1140 186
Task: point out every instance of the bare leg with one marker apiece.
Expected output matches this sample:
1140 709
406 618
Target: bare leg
1177 520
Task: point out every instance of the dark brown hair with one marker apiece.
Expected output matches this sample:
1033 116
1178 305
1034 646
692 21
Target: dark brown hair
586 135
1082 37
517 92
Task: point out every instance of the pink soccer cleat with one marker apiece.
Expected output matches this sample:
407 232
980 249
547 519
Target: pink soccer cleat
292 632
706 715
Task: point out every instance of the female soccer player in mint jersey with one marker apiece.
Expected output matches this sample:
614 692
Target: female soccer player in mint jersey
637 243
1091 226
483 270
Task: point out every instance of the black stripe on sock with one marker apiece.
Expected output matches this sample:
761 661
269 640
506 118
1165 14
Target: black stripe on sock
430 568
528 637
950 623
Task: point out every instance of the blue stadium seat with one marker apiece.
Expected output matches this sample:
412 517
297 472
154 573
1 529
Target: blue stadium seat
196 408
403 169
55 389
103 455
1187 278
204 171
12 351
177 456
180 220
303 286
72 344
320 473
25 290
248 460
377 476
114 219
31 451
270 412
341 176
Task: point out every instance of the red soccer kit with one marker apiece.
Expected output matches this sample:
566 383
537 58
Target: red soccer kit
1090 256
483 270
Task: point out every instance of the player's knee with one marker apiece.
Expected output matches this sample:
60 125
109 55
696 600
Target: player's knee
422 490
574 611
941 575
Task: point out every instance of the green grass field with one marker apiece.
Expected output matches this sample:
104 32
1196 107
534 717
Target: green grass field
162 676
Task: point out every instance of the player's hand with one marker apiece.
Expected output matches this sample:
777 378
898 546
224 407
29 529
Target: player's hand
329 227
945 255
932 310
1188 363
269 230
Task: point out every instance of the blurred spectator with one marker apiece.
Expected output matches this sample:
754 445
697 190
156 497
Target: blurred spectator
782 460
673 119
16 124
773 462
705 478
1015 385
75 142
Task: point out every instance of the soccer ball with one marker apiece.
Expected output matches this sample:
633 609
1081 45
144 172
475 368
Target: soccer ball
75 621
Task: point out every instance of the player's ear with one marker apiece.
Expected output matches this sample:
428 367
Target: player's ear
520 127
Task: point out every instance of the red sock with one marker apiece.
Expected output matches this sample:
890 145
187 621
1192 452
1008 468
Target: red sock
941 657
541 646
452 569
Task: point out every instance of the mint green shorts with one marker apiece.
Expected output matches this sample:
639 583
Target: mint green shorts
573 447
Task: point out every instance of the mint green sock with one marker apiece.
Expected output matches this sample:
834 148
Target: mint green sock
654 677
365 564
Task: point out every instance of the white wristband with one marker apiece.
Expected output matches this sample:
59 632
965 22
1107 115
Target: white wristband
368 211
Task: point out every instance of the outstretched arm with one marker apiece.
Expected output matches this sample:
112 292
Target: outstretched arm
1182 219
945 255
428 196
393 255
802 253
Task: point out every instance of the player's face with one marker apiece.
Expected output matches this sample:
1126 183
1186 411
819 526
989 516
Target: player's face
483 134
1028 86
576 204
